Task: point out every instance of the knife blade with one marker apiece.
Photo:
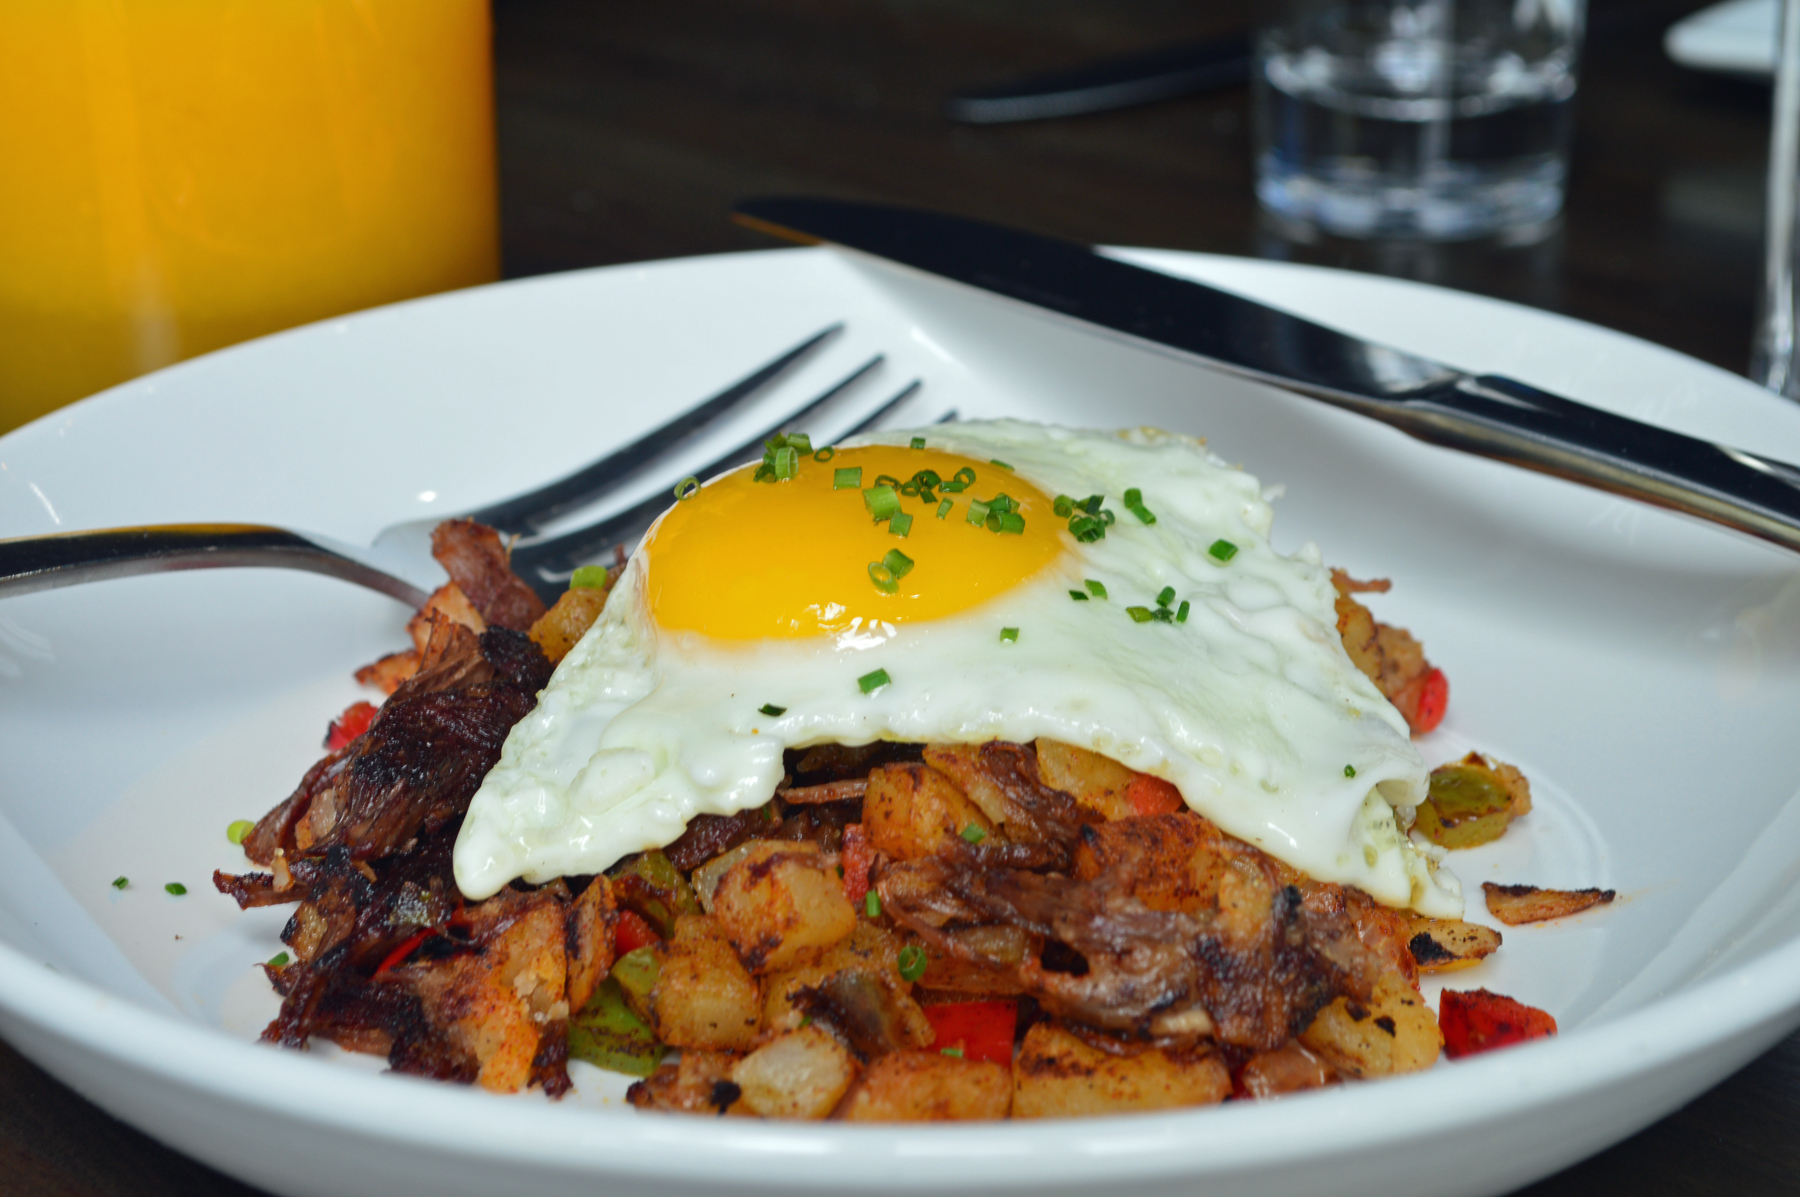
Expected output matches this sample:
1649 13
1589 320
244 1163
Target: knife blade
1486 415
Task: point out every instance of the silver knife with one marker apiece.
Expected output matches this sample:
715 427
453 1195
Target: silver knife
1484 414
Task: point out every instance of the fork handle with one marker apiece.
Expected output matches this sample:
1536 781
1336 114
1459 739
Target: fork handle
32 563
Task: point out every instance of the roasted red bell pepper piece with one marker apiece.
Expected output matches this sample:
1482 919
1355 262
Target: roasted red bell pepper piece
632 932
980 1030
352 723
1434 700
1153 796
856 858
407 946
1478 1021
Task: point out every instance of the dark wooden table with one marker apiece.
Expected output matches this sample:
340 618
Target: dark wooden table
628 129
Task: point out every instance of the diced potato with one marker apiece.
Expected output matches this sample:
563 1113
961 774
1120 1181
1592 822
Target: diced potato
802 1074
590 928
703 996
1444 945
449 602
497 1003
1057 1075
1290 1068
782 904
557 630
698 1083
863 973
910 810
387 674
929 1087
1394 1033
1097 782
1518 904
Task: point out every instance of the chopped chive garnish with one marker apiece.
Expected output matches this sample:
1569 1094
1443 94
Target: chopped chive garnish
121 881
1086 528
687 486
912 962
918 442
588 577
176 888
882 502
1139 614
1063 506
1097 589
994 519
1107 517
887 480
786 463
1079 596
900 524
977 511
825 454
1181 612
1091 504
238 830
872 905
1012 523
928 478
1133 497
1143 513
956 1052
1003 502
966 476
847 478
771 710
764 473
1009 635
278 960
951 486
909 490
973 834
944 507
1163 615
898 563
1165 596
883 577
800 442
998 462
1349 770
1222 550
871 682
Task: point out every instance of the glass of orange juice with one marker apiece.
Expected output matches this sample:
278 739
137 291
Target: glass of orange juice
179 175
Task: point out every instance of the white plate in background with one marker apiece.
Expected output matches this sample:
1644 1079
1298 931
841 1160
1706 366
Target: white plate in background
1643 670
1736 37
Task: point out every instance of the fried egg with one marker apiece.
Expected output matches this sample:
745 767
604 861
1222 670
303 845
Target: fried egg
763 615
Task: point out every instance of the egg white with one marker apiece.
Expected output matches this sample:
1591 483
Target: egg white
1250 707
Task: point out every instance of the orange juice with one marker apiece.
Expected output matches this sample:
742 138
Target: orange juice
178 175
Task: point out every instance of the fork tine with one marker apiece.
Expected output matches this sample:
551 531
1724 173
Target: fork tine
547 564
879 414
529 512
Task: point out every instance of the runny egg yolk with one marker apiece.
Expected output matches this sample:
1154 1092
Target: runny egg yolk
746 560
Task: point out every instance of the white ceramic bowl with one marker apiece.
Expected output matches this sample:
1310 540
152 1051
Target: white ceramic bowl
1644 671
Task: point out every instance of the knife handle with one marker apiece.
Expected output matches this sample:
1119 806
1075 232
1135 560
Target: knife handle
1499 417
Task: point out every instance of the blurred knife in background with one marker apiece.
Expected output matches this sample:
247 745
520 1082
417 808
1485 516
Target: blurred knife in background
1115 83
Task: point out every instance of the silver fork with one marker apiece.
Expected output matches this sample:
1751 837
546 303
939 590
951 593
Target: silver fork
398 561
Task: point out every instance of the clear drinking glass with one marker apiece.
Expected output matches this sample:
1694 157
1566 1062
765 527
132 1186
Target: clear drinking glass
1435 119
1773 361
